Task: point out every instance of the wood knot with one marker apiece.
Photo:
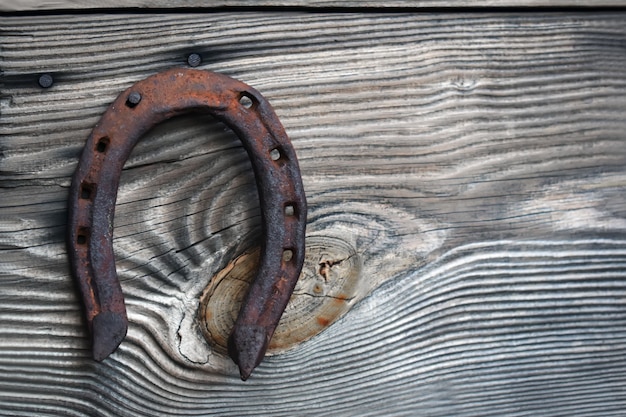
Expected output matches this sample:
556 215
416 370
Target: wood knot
325 291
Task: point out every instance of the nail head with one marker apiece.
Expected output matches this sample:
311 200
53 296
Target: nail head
194 60
275 154
133 99
287 255
46 81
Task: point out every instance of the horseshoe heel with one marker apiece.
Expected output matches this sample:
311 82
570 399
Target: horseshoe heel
94 191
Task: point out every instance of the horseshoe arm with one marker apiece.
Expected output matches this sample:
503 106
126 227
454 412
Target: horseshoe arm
94 191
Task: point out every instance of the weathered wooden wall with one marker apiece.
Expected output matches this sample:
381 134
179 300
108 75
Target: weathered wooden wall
40 5
476 164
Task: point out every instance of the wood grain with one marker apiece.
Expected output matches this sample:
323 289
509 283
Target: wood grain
42 5
476 163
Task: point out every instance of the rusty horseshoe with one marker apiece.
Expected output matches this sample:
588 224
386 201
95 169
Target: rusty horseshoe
94 191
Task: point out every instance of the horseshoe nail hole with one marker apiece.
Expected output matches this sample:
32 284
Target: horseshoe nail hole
247 100
287 255
290 210
87 191
102 144
275 154
83 235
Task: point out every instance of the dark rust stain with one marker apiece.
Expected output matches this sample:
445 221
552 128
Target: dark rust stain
341 298
94 191
323 321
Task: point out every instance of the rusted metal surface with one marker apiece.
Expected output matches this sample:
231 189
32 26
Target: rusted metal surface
94 191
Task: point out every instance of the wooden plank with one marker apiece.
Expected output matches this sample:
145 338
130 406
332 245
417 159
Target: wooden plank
474 163
38 5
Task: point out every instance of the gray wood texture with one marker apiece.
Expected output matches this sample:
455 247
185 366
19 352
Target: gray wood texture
475 163
40 5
